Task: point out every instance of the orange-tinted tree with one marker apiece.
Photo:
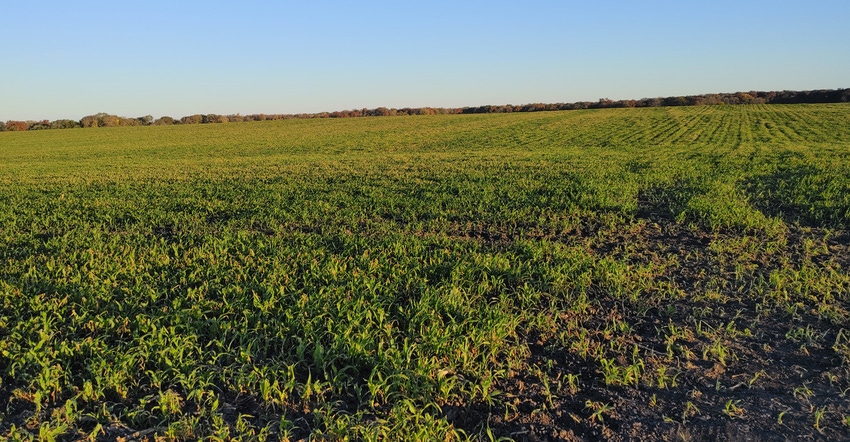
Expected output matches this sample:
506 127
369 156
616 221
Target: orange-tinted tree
16 126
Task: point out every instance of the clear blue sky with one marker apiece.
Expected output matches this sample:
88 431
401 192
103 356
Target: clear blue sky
64 59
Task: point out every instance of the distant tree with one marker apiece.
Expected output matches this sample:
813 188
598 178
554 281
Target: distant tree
745 98
163 121
38 125
767 96
213 118
16 126
122 121
147 120
64 124
107 120
192 119
89 121
649 102
533 107
2 126
675 101
712 99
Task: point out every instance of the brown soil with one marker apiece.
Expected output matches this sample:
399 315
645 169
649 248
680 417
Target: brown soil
772 384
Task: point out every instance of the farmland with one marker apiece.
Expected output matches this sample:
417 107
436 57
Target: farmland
654 274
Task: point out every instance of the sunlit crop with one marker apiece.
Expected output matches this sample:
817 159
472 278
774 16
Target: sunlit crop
429 278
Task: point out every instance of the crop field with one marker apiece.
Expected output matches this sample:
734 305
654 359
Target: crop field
619 274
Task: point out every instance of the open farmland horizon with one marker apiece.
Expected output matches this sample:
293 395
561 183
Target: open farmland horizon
104 119
660 273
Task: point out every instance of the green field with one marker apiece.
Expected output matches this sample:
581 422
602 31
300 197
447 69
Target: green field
653 274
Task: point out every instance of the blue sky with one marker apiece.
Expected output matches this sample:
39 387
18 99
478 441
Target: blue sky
70 59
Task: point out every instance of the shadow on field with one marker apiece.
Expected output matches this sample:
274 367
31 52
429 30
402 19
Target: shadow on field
715 362
665 202
797 195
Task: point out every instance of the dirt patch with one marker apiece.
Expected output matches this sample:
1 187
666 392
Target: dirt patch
723 361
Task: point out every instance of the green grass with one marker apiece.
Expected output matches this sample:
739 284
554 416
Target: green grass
360 277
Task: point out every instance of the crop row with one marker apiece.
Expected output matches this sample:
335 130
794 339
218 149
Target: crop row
415 277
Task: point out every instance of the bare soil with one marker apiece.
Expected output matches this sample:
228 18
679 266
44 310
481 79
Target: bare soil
785 375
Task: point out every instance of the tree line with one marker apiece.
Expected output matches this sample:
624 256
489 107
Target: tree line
753 97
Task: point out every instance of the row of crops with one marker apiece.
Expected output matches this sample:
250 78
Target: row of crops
585 273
